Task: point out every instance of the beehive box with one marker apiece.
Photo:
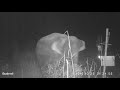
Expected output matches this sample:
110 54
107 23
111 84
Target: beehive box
108 61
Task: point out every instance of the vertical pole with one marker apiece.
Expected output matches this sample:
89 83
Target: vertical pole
67 68
106 45
70 55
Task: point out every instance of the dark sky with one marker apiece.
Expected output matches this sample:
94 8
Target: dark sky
19 31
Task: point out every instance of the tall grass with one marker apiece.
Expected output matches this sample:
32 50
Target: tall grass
91 70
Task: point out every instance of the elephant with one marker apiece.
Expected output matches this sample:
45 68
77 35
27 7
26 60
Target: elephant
50 49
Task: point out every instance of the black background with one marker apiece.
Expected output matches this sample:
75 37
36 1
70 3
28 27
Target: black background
22 29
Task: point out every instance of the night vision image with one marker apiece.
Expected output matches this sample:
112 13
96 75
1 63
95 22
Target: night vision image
59 45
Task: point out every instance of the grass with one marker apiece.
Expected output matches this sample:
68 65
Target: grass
89 71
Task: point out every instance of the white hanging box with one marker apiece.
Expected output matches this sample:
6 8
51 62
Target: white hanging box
108 61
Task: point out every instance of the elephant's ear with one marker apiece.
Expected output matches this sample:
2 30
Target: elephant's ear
82 45
56 48
58 45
